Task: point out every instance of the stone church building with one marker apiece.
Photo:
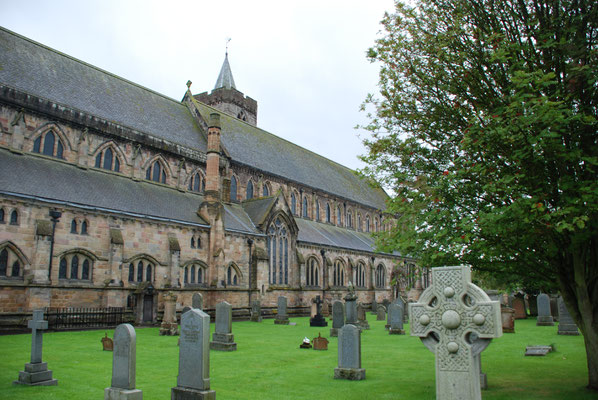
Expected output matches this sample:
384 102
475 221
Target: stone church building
113 195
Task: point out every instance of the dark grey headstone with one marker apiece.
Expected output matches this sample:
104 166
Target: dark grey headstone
256 311
395 318
381 313
37 325
566 324
374 306
282 317
362 320
349 354
338 317
197 301
544 315
222 338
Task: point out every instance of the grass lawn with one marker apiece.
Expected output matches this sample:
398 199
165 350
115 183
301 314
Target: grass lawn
269 365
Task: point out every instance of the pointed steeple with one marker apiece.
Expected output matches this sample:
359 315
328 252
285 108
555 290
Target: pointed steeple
225 79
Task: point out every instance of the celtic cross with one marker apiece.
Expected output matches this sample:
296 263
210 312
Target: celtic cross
456 320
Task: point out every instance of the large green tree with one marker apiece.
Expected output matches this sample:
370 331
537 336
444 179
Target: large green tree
486 131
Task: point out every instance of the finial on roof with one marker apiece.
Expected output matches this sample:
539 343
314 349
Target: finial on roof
189 84
225 79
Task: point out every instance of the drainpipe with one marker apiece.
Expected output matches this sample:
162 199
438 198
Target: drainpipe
250 243
324 274
55 215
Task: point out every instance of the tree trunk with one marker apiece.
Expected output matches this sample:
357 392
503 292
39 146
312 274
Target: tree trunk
591 340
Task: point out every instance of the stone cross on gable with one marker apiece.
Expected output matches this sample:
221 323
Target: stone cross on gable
37 324
447 313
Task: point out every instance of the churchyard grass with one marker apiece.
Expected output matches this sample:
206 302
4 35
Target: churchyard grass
269 365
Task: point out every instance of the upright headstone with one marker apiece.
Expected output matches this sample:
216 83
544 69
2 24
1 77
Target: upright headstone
508 320
169 326
381 313
362 320
318 319
197 301
36 372
351 306
519 307
123 366
349 354
193 381
395 317
374 307
222 338
256 311
282 318
544 316
338 317
532 301
449 308
554 307
566 324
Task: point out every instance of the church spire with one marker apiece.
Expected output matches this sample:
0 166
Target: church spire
225 79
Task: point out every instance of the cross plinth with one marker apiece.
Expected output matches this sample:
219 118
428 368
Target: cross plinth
456 320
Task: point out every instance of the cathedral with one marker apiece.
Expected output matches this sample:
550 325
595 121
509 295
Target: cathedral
114 195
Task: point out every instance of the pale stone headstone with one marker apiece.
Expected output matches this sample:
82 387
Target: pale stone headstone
318 319
197 301
537 351
36 372
566 324
351 307
519 308
222 338
123 366
282 318
256 311
448 309
380 313
193 381
362 320
395 317
349 354
338 317
544 316
507 318
169 326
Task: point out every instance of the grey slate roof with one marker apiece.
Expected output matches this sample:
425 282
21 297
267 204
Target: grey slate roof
330 235
54 181
38 70
258 209
236 219
225 78
35 69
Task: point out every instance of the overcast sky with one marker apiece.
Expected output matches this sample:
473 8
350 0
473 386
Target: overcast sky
302 61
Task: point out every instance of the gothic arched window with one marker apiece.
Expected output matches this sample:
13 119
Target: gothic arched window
349 220
338 274
327 212
62 268
48 145
278 249
74 226
359 222
233 189
84 227
312 278
317 211
14 217
380 276
232 278
265 191
360 275
249 194
305 207
131 272
140 272
367 223
339 220
75 266
155 172
107 159
1 215
3 262
196 183
293 204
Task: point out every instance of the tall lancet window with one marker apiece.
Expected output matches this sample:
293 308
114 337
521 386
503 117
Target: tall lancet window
278 249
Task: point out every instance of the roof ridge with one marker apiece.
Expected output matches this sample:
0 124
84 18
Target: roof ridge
87 64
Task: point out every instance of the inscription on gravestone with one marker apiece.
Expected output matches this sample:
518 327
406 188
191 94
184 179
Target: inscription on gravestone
338 317
395 317
349 354
123 366
282 317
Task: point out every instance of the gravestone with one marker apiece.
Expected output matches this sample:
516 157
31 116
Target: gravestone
36 372
554 307
544 316
349 354
282 318
256 311
374 307
123 366
537 351
362 320
395 317
169 326
381 313
338 317
351 306
107 343
507 319
566 324
448 309
197 301
519 308
184 310
318 319
320 343
193 381
532 301
222 338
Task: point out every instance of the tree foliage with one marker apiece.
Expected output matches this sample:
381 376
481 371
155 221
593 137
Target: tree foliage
486 131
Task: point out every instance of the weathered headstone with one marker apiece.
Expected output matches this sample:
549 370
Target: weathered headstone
256 311
544 316
351 306
507 319
554 307
395 317
318 319
320 343
169 326
36 372
123 365
374 307
107 343
184 310
532 301
349 354
362 320
338 317
197 301
193 381
519 308
566 324
381 313
222 338
448 309
537 351
282 318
